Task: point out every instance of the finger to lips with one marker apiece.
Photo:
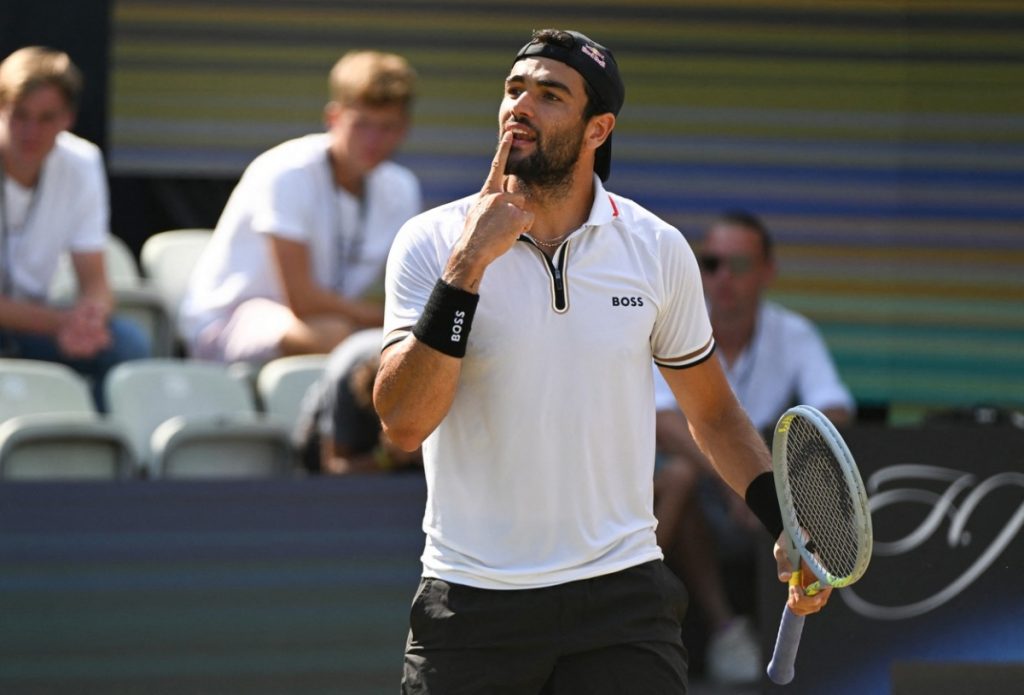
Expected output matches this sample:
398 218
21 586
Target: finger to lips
496 178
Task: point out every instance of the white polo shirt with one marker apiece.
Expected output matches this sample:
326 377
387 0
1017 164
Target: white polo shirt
541 472
786 363
289 191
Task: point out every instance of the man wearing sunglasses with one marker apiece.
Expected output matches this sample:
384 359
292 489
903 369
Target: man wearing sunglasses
773 358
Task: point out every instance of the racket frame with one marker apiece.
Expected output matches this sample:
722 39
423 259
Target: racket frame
796 548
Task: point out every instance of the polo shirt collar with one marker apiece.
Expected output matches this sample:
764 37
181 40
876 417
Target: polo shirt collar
604 210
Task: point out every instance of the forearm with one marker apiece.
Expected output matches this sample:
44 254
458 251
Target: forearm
734 448
100 299
307 298
29 318
417 379
93 288
416 384
315 301
414 390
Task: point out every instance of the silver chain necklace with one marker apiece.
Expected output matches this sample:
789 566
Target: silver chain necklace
549 244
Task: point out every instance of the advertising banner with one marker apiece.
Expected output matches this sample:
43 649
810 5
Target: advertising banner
944 593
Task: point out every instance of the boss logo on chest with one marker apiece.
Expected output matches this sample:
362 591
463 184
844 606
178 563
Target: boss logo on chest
627 301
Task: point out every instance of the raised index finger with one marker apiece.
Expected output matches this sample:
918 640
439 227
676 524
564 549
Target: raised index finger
496 178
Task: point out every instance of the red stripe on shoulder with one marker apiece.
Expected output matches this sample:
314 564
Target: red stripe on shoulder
615 208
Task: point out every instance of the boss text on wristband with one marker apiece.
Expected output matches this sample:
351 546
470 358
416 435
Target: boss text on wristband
446 319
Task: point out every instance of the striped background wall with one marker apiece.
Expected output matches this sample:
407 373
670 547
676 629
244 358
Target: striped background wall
883 142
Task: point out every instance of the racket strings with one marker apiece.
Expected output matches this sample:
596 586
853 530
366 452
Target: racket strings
825 509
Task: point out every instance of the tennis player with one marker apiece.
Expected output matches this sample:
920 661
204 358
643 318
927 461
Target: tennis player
520 325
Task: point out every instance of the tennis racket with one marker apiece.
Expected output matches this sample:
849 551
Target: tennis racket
825 514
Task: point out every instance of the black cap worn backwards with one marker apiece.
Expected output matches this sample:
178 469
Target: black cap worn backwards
597 66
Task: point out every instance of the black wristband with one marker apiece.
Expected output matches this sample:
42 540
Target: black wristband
445 321
761 499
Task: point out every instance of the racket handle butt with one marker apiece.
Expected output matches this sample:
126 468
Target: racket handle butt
782 667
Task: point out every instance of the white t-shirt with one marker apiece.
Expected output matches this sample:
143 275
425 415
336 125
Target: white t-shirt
289 191
67 211
786 363
541 472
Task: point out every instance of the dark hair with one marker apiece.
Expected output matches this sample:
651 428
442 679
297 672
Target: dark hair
748 220
557 37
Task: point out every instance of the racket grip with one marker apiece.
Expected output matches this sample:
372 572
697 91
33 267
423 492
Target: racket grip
782 667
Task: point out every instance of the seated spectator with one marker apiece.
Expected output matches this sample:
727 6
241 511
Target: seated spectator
773 358
338 430
53 200
296 262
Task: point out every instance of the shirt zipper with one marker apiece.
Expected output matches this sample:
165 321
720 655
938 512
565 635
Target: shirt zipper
560 300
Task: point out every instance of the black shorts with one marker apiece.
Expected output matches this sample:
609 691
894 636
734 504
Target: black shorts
615 634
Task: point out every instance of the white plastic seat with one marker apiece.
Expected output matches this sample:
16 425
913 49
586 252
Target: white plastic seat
49 427
134 297
168 258
187 418
282 384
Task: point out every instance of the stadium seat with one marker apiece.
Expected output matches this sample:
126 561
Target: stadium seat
168 259
49 427
282 384
134 297
187 418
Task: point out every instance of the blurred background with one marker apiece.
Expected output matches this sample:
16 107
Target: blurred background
881 141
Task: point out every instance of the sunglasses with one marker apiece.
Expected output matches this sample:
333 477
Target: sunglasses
737 265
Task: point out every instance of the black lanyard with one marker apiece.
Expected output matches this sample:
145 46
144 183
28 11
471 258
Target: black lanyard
350 246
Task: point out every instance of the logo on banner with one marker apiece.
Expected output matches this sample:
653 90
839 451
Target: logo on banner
956 540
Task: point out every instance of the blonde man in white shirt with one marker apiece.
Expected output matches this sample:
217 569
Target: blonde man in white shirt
521 323
295 264
53 199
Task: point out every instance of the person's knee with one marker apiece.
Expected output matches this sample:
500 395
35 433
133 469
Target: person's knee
128 341
679 475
